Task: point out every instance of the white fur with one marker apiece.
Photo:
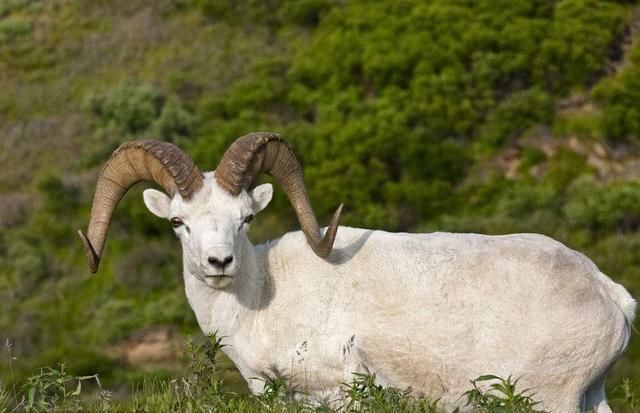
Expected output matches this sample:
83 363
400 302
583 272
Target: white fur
422 311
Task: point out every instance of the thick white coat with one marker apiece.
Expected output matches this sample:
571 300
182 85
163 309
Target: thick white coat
427 312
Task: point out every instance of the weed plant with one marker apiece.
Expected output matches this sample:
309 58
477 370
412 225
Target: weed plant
627 401
501 396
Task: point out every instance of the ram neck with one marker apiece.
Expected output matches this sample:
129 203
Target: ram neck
225 311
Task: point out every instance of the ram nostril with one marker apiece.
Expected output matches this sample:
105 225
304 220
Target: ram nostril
220 263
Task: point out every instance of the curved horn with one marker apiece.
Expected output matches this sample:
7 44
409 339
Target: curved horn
267 152
132 162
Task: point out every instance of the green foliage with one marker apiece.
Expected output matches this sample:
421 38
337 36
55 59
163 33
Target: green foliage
363 394
408 108
9 6
620 114
58 198
615 208
530 157
129 109
134 109
588 125
5 397
13 27
564 166
566 60
305 12
202 361
173 122
500 396
53 390
202 390
516 115
275 12
629 401
277 392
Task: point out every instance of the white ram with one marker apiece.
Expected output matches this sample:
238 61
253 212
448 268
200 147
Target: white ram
427 312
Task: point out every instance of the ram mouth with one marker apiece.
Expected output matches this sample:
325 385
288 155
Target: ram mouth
218 276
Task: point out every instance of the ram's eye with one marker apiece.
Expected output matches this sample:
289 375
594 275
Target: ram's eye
248 219
176 222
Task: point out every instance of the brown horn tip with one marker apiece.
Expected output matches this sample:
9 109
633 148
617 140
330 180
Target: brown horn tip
92 257
324 247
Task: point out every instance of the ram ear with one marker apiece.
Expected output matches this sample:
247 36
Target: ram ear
261 196
157 202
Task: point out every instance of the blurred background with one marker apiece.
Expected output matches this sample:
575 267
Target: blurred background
490 116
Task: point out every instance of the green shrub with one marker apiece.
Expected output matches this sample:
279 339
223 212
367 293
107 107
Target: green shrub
566 60
614 208
564 166
137 110
514 116
305 12
265 12
529 158
174 122
518 201
618 97
27 266
58 198
10 28
11 6
128 108
589 125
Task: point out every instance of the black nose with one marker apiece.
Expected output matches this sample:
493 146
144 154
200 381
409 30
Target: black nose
220 263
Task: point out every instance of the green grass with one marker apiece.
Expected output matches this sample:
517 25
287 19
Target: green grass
201 389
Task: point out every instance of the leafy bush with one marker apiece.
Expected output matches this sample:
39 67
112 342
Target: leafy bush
173 122
305 12
9 6
134 110
564 166
516 115
529 158
128 108
58 198
612 208
566 61
618 97
588 124
13 27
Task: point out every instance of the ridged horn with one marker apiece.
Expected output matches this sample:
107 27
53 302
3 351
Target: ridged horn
264 152
135 161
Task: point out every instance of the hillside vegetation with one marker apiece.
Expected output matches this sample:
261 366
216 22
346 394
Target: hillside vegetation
490 116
